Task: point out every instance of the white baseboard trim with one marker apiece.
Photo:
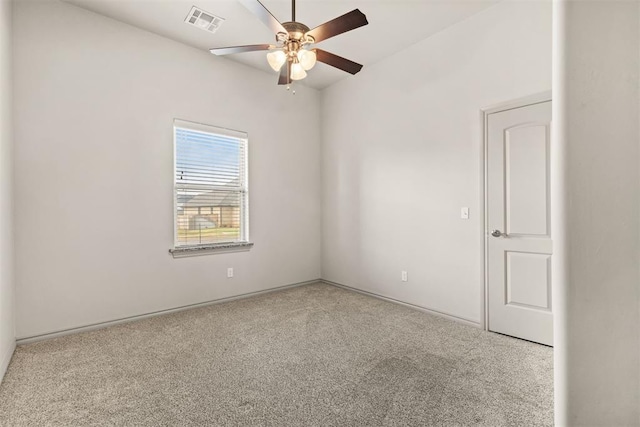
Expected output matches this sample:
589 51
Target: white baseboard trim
406 304
4 362
101 325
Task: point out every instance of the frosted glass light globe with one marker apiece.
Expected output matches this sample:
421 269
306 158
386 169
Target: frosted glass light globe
276 59
307 58
297 72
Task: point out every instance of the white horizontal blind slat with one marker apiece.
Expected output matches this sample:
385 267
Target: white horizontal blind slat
210 182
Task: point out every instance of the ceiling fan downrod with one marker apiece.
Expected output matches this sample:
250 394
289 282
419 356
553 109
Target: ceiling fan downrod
293 10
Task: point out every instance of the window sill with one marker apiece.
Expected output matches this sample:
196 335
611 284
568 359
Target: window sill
210 249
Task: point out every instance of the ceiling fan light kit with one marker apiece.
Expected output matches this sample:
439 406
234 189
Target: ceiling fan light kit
297 72
293 55
307 58
276 59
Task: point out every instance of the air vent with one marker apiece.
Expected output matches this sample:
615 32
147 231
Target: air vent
203 20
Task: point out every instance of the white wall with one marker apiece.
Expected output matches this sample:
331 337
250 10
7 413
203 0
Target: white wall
596 74
401 156
94 105
7 328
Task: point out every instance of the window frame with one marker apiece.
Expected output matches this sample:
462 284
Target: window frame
243 242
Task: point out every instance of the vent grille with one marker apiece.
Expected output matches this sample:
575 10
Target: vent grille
203 20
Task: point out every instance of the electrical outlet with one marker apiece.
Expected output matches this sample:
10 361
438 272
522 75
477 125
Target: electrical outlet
404 276
229 272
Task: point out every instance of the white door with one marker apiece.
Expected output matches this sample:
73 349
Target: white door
518 216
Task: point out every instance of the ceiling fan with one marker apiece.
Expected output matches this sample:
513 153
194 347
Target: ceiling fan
293 55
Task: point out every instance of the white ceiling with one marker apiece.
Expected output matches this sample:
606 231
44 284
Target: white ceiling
393 25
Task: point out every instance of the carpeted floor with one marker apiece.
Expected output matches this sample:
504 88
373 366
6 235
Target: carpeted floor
315 355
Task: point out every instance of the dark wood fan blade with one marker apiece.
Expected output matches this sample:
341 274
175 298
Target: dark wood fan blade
347 22
240 49
264 15
285 74
337 61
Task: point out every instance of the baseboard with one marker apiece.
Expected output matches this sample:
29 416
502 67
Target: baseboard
101 325
406 304
4 362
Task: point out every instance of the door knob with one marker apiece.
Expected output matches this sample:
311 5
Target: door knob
496 233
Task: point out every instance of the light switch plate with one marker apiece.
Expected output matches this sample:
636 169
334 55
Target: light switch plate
464 213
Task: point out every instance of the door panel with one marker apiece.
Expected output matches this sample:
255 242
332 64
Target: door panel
528 280
527 194
519 257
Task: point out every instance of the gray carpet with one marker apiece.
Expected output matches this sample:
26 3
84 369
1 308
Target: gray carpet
309 356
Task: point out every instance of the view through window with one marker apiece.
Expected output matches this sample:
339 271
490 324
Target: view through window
210 191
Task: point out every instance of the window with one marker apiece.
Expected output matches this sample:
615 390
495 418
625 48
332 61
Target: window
210 187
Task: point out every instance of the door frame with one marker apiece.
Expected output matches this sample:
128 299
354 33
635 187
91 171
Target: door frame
537 98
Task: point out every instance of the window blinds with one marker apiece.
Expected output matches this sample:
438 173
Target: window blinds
211 194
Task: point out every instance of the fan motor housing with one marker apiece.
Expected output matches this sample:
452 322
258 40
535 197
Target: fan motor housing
296 30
